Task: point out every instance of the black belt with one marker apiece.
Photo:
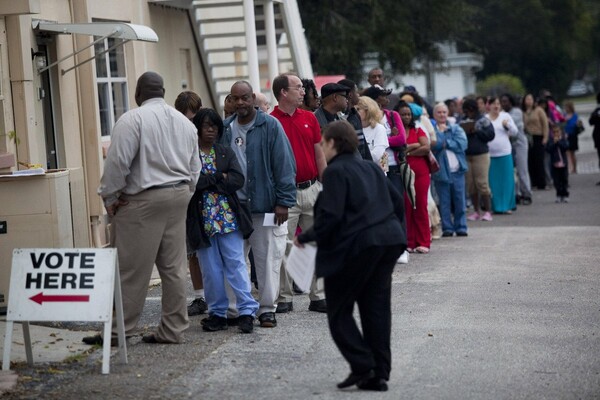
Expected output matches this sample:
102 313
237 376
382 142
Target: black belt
306 184
168 185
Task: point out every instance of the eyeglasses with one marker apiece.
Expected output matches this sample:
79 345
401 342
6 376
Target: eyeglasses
299 88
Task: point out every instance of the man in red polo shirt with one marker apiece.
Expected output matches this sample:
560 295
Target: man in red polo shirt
304 134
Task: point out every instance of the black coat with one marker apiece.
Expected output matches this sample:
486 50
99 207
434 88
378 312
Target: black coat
226 162
357 209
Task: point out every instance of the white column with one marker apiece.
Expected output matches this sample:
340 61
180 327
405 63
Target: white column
251 46
272 55
297 39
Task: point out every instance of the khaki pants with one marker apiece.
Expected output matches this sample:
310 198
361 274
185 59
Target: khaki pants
301 215
151 230
477 175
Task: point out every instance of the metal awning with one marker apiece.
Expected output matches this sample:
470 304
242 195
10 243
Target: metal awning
116 30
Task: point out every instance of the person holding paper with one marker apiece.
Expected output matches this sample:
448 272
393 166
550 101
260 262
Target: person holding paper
359 238
269 169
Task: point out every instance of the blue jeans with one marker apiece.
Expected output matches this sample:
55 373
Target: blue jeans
224 259
452 195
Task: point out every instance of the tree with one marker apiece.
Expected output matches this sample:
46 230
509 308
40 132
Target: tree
340 32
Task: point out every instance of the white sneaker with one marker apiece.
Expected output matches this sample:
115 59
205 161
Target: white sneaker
403 259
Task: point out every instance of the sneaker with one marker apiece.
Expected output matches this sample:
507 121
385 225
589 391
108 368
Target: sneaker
447 234
267 320
197 306
526 201
487 216
474 217
403 259
565 199
214 323
558 200
246 323
463 234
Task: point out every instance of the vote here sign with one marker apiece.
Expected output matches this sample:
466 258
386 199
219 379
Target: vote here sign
62 285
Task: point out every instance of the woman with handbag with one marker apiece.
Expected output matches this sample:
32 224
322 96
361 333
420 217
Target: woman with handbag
217 225
374 132
417 153
479 132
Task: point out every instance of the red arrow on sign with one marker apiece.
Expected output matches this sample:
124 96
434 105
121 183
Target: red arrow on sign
40 298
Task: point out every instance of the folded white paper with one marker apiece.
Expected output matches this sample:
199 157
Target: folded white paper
300 264
270 220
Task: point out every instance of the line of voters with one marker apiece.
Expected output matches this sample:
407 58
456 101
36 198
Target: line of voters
350 169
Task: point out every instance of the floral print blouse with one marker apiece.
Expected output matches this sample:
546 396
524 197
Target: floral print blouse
217 215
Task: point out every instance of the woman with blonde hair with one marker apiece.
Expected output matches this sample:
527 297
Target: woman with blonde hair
374 132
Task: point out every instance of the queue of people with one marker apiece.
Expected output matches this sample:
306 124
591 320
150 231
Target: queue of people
341 169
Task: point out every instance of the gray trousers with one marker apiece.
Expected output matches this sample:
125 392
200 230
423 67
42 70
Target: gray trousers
520 155
151 230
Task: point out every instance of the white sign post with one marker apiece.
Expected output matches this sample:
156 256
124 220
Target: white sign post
65 285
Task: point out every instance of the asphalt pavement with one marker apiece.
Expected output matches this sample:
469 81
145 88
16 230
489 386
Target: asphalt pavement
510 312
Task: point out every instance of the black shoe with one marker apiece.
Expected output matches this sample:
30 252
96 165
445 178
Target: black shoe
151 338
246 323
197 307
267 320
526 201
233 321
353 379
318 306
98 340
284 307
375 384
447 234
462 234
296 289
214 323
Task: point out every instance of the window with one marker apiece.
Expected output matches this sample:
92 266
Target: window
112 84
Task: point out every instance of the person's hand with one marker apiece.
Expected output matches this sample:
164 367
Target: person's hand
224 175
544 141
281 214
112 208
298 243
505 124
394 131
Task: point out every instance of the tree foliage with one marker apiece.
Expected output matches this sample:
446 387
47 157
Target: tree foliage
545 43
497 84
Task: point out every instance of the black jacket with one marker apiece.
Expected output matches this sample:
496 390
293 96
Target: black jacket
357 209
483 133
226 162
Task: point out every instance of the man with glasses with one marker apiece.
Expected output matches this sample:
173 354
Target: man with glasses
334 100
304 134
267 162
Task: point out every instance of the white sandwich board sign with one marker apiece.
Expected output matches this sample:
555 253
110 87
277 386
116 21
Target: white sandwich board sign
65 285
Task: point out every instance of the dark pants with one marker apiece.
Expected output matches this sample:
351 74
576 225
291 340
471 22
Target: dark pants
396 180
536 163
560 177
367 281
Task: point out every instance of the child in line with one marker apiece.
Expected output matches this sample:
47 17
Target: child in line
557 146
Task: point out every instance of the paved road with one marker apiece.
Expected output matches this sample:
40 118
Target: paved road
511 312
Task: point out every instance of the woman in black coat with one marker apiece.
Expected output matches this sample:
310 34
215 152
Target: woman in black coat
359 238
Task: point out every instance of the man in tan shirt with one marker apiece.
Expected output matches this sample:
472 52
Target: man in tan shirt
151 167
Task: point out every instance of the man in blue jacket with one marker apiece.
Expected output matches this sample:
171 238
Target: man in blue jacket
267 162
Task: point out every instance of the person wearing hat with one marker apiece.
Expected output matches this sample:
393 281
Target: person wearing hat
334 100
